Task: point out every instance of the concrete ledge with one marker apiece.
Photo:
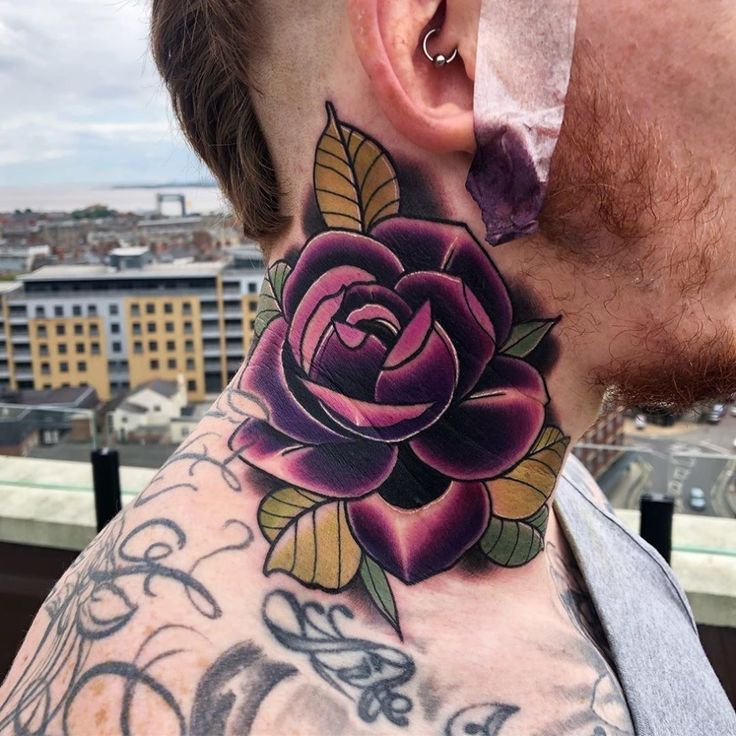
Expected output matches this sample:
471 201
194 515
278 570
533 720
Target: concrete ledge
704 561
50 503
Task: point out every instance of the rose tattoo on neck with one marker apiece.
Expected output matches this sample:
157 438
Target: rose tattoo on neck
397 407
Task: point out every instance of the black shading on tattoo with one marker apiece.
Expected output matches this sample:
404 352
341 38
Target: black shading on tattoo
486 719
366 672
232 690
90 605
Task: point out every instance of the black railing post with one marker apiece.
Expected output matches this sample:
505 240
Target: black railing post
106 478
656 522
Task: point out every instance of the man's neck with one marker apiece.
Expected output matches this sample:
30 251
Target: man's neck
410 409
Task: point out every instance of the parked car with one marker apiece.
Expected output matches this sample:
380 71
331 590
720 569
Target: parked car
697 499
715 414
640 421
733 411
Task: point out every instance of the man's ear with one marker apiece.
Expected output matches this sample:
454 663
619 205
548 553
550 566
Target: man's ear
432 106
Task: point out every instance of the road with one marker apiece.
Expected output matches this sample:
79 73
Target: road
668 466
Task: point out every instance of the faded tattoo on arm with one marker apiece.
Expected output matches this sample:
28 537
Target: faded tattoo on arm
124 571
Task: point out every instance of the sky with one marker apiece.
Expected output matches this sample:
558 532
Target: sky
80 100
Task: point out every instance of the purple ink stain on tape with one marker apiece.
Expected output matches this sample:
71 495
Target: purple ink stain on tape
523 64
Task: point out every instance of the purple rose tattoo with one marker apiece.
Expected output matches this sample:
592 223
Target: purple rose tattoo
383 385
397 407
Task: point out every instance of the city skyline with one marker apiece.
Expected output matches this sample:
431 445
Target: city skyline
86 104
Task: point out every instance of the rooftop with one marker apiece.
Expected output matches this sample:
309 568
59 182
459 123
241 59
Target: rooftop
207 269
6 287
68 396
159 385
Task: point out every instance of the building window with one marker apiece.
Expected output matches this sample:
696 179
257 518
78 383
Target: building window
77 310
190 364
92 310
191 385
43 349
82 366
41 331
64 366
168 308
189 346
117 347
254 306
80 348
154 365
40 312
169 327
135 309
59 311
62 349
151 327
137 328
113 310
186 308
157 408
115 328
188 328
152 346
95 348
94 330
45 369
172 364
252 324
170 346
137 347
60 330
150 308
252 288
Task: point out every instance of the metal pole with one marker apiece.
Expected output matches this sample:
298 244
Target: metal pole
657 511
106 477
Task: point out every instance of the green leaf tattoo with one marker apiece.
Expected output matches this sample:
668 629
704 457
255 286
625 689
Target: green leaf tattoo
511 543
269 307
526 337
377 585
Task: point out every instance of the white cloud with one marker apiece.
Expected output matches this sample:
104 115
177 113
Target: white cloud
78 73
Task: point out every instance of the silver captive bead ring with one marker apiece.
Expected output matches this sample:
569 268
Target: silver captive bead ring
440 59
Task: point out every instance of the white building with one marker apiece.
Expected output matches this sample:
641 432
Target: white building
150 406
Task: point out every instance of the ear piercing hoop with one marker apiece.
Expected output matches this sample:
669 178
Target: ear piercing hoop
439 60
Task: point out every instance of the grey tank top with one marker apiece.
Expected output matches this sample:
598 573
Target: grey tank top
670 687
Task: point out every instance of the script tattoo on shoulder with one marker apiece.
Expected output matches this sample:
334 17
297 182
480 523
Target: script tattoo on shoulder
397 400
366 672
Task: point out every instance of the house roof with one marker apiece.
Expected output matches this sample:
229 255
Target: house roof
78 397
160 386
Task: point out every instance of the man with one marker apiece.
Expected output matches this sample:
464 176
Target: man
361 537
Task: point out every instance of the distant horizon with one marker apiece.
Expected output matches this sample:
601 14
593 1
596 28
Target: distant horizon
133 184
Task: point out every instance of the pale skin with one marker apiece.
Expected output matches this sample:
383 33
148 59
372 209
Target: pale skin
180 574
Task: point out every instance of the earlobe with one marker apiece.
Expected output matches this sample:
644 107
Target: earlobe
428 102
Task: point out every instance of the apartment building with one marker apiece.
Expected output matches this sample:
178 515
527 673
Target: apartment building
120 324
602 441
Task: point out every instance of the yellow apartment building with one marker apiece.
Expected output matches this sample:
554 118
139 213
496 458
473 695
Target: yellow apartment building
117 325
